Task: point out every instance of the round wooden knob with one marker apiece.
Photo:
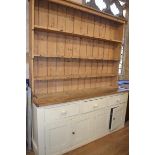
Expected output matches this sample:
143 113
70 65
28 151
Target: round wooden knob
73 133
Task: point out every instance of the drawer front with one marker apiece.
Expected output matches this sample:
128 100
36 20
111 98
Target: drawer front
104 101
61 112
93 104
124 97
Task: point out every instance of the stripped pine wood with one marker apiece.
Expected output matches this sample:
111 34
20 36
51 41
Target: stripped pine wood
59 85
69 46
104 68
71 49
99 67
83 48
42 43
67 85
106 50
107 30
84 25
90 22
97 27
53 16
51 86
87 83
95 49
76 47
41 87
117 51
110 52
68 67
81 84
74 84
60 67
42 67
94 68
75 67
89 44
102 28
61 45
61 18
36 43
77 22
88 67
82 67
52 69
112 30
69 20
43 13
35 66
101 49
52 44
93 83
36 13
98 82
110 67
31 44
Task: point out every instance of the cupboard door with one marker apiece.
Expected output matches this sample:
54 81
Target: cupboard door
101 122
116 117
81 130
57 138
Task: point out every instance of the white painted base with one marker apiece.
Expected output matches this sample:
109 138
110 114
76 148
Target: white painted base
60 128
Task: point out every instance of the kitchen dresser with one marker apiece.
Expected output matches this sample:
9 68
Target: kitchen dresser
74 52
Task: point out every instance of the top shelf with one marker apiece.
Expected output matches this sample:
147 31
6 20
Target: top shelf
48 29
90 10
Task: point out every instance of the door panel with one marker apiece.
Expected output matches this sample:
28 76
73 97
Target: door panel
81 129
57 139
116 117
102 122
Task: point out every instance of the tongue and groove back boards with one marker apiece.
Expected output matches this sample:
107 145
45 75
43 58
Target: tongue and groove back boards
72 49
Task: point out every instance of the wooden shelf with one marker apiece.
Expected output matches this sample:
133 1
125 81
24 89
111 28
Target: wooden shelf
90 10
66 57
48 29
75 95
64 77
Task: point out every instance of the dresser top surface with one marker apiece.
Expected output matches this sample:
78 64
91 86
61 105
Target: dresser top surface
63 97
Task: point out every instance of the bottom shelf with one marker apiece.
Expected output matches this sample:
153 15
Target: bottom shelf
62 97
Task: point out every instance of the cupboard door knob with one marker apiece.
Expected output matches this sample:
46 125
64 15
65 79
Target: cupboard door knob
73 133
114 118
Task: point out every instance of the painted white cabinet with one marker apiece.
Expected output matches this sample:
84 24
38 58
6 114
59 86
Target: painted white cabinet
63 127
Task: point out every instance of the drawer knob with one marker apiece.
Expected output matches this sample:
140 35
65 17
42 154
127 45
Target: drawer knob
64 112
96 105
73 133
114 118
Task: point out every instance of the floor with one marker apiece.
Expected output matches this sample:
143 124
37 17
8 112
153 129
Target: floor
116 143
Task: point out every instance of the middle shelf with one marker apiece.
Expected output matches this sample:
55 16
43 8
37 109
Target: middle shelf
48 29
74 57
40 78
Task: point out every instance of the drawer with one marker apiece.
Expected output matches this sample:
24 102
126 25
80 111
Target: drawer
61 111
123 97
118 99
93 104
104 101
